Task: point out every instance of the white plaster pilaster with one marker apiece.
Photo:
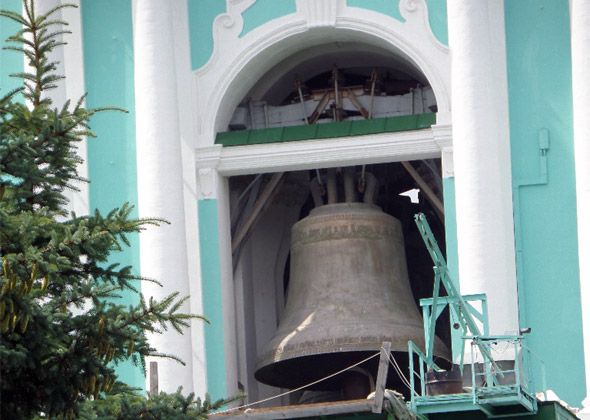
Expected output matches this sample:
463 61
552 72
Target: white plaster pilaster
580 27
481 149
207 183
227 284
163 253
448 170
212 185
442 134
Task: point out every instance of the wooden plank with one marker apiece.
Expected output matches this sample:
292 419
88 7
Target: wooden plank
154 378
430 195
381 377
300 411
352 97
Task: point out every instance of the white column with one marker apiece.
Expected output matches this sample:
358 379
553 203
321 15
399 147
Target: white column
70 63
159 172
186 113
481 146
580 26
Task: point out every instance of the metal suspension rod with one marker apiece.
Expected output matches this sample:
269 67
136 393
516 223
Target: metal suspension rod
301 101
373 82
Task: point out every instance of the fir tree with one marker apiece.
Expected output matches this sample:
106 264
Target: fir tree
63 330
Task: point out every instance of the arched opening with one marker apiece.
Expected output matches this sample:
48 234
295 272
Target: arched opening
224 84
265 207
333 82
264 210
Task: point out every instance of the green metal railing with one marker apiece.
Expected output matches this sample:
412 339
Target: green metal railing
494 390
520 375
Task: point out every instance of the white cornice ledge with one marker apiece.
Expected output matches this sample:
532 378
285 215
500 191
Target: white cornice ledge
311 154
443 135
208 157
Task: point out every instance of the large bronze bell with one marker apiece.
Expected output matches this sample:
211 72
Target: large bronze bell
348 292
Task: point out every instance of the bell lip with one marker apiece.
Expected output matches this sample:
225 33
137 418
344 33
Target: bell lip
271 357
288 373
269 375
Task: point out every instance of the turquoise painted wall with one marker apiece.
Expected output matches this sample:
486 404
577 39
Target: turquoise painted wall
437 16
10 61
437 13
212 297
201 14
451 228
108 63
452 255
264 11
387 7
539 80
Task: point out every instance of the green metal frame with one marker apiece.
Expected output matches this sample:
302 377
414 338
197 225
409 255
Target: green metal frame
461 311
433 307
496 391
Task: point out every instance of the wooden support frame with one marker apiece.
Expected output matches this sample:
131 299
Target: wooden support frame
381 377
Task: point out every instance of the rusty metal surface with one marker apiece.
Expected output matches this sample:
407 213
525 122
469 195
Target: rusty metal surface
444 382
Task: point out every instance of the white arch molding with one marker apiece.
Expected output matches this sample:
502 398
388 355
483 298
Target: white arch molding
238 63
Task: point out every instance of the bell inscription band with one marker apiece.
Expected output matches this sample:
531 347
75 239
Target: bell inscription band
349 292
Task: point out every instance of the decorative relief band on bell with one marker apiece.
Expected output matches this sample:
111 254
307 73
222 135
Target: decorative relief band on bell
349 231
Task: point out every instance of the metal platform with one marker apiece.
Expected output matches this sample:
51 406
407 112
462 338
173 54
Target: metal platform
501 401
495 390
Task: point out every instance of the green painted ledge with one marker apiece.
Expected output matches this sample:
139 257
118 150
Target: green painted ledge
547 411
325 131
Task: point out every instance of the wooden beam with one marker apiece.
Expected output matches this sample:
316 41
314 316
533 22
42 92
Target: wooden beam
300 411
260 204
381 377
154 378
430 195
315 115
352 97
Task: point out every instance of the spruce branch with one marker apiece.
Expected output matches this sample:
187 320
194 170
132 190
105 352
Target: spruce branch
62 323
